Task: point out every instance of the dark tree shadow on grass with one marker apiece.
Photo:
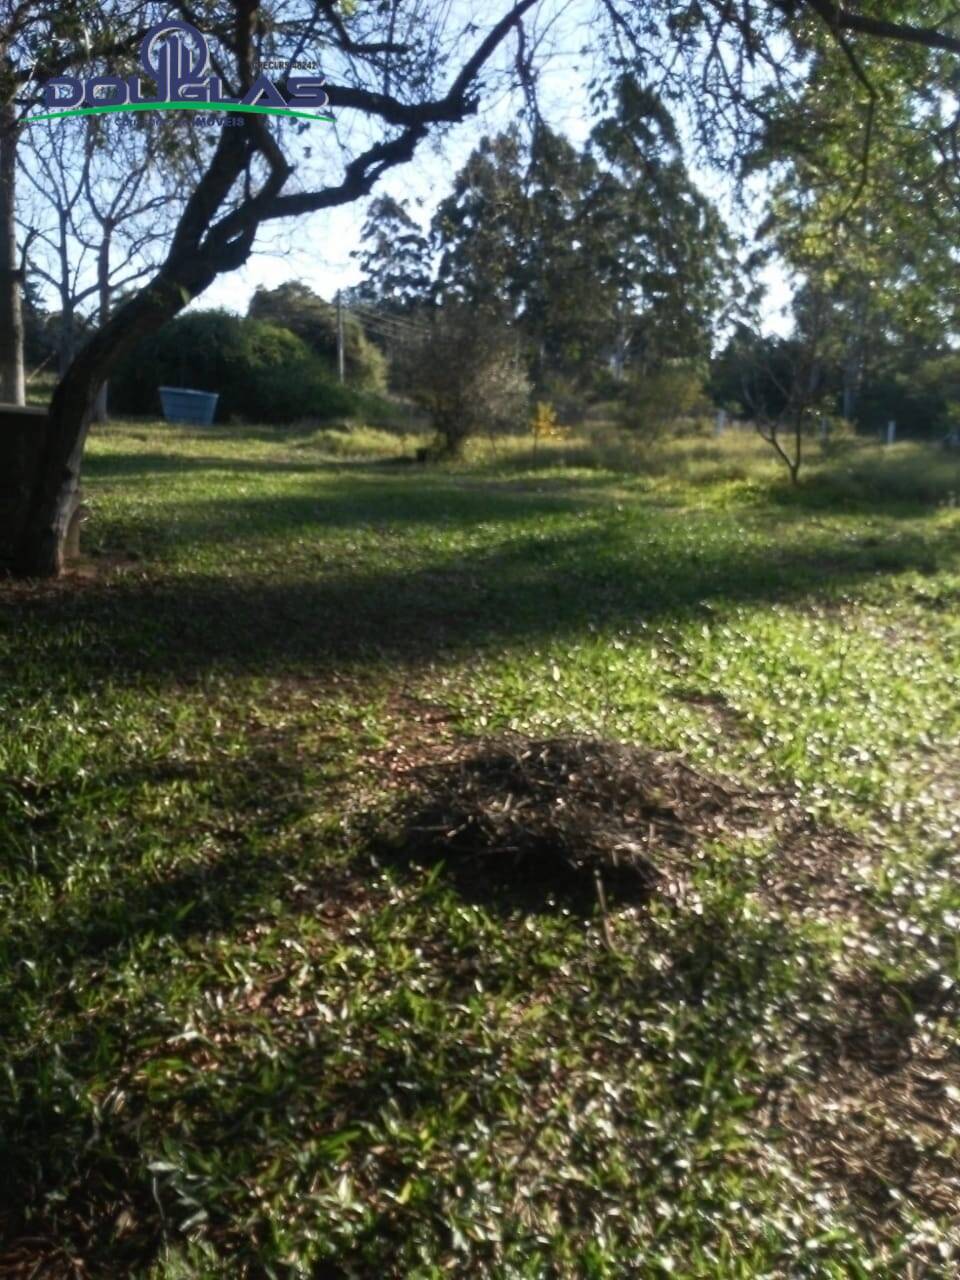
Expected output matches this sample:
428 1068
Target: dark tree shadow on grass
532 590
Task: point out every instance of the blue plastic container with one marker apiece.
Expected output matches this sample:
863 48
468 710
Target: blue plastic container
182 405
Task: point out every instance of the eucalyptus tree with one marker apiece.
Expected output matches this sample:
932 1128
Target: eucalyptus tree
516 236
664 250
481 229
604 256
398 73
395 258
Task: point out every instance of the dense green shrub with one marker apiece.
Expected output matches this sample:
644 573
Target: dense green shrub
263 373
296 307
664 401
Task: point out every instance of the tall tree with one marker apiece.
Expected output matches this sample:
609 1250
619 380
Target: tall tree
394 257
605 256
666 252
11 263
479 229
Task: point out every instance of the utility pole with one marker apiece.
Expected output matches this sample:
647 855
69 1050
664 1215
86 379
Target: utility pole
341 358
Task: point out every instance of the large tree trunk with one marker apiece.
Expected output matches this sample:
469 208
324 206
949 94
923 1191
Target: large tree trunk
189 270
56 487
12 386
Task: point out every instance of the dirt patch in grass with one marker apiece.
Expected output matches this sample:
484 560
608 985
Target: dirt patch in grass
935 774
40 1259
874 1117
818 870
80 574
547 819
557 813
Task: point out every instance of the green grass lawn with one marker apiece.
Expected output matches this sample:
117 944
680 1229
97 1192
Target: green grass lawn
239 1041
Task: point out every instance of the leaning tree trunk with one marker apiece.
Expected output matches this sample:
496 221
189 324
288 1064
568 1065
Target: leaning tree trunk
12 386
192 266
53 500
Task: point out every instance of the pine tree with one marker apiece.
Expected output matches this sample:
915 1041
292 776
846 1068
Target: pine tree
395 259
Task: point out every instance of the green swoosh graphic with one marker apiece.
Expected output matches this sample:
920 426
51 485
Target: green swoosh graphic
179 106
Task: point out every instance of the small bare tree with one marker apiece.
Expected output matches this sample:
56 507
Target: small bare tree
467 374
40 39
782 386
785 432
99 208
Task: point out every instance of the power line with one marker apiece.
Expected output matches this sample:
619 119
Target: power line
384 319
390 327
373 310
